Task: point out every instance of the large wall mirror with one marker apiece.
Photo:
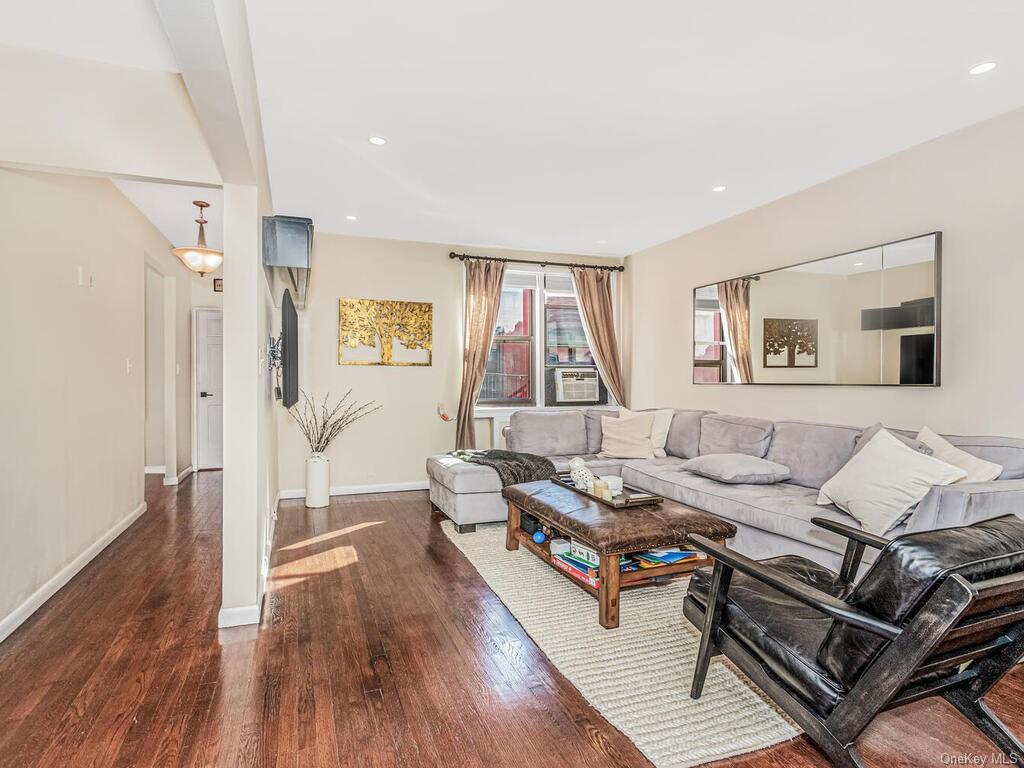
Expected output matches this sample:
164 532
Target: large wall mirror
866 317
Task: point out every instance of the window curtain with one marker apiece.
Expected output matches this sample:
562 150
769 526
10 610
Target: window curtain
734 296
594 293
483 296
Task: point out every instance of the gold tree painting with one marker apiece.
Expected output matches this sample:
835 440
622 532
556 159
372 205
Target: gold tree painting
385 332
790 343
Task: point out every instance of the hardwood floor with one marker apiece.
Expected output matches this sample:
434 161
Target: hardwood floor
380 646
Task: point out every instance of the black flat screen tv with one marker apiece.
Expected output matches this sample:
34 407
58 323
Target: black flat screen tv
289 352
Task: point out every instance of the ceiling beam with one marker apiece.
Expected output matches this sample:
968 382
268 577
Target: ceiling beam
210 39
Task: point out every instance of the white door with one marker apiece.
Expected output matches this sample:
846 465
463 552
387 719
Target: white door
210 388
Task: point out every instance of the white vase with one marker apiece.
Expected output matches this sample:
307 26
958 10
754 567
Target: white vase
318 481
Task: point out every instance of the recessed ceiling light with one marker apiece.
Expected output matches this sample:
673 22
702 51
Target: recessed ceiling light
377 141
719 188
858 264
981 69
351 218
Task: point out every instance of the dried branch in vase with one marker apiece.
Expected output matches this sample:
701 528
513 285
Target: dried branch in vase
321 424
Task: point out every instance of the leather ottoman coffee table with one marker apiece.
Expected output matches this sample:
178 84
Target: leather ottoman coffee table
611 532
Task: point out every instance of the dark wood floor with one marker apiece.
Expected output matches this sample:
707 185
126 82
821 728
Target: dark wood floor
380 646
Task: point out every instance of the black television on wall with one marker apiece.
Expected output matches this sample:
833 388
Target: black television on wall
289 351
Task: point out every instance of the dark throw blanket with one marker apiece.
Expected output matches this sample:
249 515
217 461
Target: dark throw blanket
512 468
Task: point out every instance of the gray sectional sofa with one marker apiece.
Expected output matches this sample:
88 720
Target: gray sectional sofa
771 519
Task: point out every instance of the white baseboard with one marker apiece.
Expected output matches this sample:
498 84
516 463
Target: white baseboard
351 490
155 470
181 476
13 620
236 617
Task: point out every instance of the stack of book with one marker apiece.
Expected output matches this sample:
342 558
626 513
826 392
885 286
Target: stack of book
576 559
656 558
582 562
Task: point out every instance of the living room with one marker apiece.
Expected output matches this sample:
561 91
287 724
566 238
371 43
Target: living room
564 385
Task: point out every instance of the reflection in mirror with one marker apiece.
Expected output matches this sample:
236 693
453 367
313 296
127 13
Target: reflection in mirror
866 317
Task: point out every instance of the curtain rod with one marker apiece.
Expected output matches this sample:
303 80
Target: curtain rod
464 256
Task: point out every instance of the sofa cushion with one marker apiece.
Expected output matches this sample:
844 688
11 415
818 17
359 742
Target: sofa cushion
461 476
784 634
659 428
978 470
908 440
684 434
813 452
549 433
734 434
599 465
882 482
627 437
908 571
592 420
737 468
1005 451
783 508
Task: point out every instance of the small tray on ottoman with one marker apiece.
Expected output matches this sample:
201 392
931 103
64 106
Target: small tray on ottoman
630 496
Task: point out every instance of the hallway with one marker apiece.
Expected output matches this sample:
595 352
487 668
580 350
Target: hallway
380 646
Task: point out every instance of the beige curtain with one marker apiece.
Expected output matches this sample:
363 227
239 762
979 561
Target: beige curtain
734 296
594 292
483 295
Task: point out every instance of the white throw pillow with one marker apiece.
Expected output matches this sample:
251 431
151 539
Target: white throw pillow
978 470
627 437
880 484
659 428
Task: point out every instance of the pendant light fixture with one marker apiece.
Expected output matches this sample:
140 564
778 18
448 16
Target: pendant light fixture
199 258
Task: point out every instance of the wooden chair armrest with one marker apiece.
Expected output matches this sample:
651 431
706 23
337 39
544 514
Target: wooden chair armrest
798 590
862 537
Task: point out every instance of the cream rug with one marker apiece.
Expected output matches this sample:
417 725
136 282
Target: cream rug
638 676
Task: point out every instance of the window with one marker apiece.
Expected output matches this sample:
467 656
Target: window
509 374
540 354
709 363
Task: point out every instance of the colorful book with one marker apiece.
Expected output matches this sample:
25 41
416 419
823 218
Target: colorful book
582 552
575 572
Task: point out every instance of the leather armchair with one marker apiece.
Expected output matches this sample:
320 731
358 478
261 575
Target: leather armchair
938 613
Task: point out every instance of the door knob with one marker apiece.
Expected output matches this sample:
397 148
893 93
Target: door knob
206 394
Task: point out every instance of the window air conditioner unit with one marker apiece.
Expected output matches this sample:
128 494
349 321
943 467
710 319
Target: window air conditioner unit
576 385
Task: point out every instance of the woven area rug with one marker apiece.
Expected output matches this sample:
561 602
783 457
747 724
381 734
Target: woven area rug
638 675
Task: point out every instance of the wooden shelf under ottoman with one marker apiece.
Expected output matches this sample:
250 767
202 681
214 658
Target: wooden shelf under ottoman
611 533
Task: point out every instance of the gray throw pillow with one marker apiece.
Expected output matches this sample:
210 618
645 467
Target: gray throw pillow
874 429
737 468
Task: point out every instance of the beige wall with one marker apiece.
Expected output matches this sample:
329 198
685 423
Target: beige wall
75 471
126 121
154 368
391 445
966 184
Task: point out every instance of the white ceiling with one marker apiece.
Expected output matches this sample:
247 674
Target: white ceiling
123 32
889 256
169 207
556 125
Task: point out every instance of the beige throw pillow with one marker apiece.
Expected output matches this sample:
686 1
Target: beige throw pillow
627 437
978 470
659 428
880 484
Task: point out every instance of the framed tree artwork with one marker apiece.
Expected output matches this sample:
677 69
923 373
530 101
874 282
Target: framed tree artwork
790 343
385 332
